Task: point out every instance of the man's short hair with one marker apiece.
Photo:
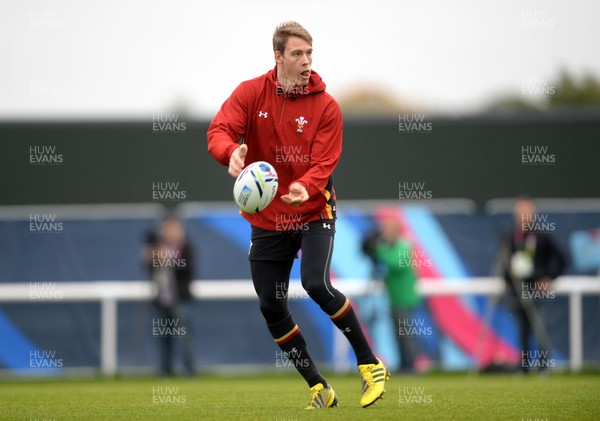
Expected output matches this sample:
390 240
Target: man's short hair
288 29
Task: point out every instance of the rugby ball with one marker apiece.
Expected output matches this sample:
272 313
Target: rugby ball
521 265
255 187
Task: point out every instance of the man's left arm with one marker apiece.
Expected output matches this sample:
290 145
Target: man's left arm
555 262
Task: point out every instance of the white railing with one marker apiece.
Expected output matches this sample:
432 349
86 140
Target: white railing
110 292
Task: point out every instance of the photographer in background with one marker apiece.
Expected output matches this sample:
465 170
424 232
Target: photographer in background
531 262
392 253
168 258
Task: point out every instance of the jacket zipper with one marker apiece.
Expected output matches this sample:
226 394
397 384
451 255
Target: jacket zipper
282 110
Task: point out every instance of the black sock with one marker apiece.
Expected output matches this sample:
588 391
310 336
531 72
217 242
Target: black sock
294 352
345 319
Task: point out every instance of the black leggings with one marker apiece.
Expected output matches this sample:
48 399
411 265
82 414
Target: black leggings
271 258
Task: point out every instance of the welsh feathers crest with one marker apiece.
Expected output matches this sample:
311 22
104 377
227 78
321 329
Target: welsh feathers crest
301 122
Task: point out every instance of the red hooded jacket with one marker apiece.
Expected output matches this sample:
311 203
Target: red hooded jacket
299 132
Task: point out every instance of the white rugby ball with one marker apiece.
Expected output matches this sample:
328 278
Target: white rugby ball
255 187
521 265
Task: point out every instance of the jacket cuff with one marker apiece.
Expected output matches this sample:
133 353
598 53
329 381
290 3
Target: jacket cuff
228 151
299 181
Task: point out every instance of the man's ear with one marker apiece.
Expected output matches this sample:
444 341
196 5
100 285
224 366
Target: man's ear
278 57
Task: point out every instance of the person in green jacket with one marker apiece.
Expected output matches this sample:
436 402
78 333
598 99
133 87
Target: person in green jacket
394 254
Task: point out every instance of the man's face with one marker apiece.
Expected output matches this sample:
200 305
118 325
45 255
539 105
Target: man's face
293 66
524 211
390 230
172 232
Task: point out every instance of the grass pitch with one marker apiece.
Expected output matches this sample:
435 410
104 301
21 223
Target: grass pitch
283 397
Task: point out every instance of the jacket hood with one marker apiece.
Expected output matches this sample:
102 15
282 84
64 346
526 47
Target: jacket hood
315 84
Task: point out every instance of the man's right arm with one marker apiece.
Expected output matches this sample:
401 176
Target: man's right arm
228 127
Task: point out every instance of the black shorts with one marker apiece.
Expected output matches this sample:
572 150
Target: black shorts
284 245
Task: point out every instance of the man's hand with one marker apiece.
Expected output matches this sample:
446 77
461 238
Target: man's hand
296 196
236 161
544 283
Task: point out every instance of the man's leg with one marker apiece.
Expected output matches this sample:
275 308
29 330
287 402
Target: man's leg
271 280
184 311
407 352
524 336
166 344
317 249
542 336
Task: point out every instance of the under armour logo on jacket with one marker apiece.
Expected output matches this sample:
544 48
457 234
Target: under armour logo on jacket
263 114
328 226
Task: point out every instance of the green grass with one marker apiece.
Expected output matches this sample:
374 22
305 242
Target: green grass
439 397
